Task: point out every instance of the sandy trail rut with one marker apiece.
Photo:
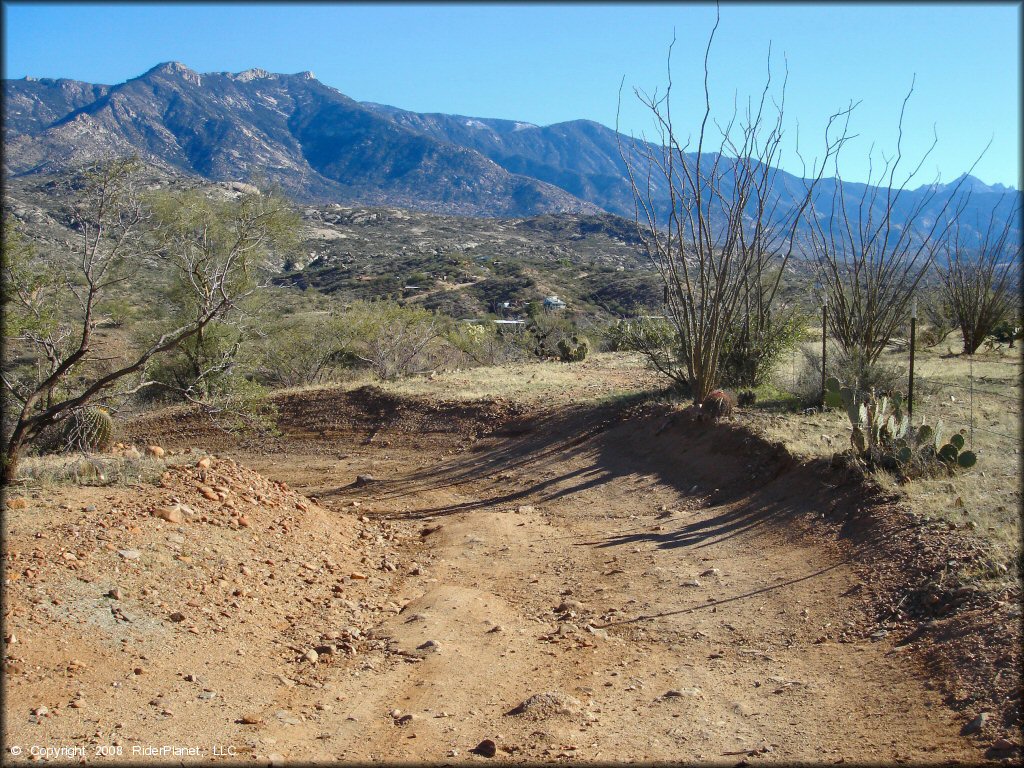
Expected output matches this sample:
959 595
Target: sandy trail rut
662 587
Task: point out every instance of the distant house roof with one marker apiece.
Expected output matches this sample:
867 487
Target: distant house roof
554 302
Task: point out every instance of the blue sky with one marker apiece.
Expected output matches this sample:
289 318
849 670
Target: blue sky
546 63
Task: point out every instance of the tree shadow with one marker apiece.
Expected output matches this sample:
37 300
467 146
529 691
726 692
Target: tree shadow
724 600
521 448
731 521
597 446
740 482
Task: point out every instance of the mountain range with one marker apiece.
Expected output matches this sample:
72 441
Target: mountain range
321 146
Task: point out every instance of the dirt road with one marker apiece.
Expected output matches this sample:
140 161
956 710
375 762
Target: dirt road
569 585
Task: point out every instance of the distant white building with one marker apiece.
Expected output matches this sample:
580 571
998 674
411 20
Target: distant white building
507 326
553 302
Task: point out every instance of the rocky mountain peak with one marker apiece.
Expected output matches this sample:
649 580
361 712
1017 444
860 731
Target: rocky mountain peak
175 69
252 74
315 142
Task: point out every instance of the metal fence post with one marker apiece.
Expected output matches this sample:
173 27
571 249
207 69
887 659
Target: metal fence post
913 333
824 336
971 378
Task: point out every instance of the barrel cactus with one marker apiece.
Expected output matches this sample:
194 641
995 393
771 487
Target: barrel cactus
718 404
88 429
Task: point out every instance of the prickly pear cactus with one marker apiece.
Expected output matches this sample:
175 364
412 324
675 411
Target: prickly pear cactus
833 395
882 436
966 459
573 350
925 435
88 429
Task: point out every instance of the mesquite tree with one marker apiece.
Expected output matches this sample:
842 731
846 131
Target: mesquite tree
718 223
980 281
52 366
216 247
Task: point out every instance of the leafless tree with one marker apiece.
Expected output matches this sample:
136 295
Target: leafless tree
50 303
874 247
979 280
727 232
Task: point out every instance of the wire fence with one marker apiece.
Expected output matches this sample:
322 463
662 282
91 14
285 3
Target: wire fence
987 406
990 414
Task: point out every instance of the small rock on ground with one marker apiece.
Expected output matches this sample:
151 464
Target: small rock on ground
975 725
486 748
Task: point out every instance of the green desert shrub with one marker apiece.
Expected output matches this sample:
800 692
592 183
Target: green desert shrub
300 350
1006 332
394 340
658 340
753 350
484 344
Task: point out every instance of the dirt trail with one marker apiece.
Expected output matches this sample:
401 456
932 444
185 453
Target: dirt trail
655 587
694 623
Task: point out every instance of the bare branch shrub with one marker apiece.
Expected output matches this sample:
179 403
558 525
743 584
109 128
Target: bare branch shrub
722 242
938 315
981 283
51 300
873 244
393 340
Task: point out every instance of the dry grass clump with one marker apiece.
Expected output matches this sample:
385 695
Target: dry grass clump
93 469
601 377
